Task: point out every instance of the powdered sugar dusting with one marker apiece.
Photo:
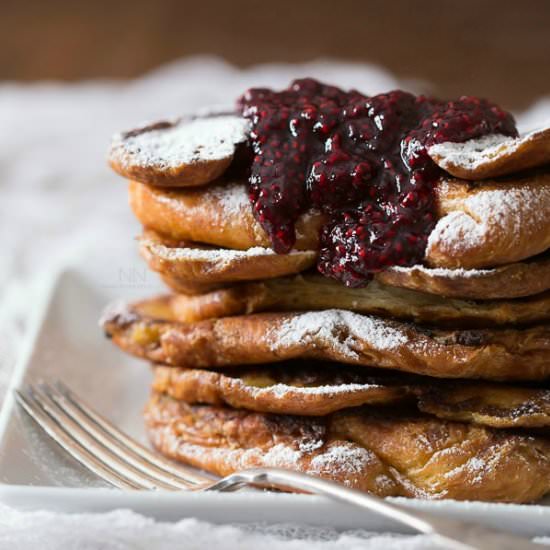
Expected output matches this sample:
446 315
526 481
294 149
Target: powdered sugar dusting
471 154
488 213
231 202
201 139
493 155
338 329
342 458
219 256
118 311
458 231
283 390
232 197
444 272
207 255
476 467
281 456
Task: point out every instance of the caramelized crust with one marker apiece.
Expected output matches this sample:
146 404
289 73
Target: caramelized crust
184 175
484 225
317 389
453 460
314 292
375 451
218 214
148 330
499 406
312 390
490 223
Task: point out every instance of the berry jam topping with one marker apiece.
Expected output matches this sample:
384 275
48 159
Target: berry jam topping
362 161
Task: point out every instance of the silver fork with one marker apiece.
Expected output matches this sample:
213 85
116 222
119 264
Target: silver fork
102 448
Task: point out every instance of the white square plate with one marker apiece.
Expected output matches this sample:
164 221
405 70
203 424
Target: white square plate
67 344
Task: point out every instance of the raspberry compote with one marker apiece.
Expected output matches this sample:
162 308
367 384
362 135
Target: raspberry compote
362 161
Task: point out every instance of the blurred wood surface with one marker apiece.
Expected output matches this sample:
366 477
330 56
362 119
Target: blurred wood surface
494 48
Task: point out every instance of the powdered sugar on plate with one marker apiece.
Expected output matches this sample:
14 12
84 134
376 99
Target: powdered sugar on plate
181 143
337 329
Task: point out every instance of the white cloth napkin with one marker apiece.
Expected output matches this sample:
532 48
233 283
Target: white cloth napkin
123 529
61 205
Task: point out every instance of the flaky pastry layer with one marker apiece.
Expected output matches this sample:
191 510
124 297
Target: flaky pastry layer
480 225
148 330
317 389
192 268
492 156
315 292
375 451
186 152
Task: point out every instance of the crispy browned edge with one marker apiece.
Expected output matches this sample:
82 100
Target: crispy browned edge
314 292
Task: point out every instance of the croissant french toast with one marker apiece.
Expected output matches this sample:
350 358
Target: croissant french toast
361 290
192 268
218 214
196 151
493 156
515 280
493 223
375 451
480 226
148 330
301 388
310 389
308 188
184 152
314 292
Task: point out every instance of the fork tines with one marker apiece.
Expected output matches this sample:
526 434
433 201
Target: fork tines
98 445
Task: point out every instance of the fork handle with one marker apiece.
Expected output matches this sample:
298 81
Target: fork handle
455 534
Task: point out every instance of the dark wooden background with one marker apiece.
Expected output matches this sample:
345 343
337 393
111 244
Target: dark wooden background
494 48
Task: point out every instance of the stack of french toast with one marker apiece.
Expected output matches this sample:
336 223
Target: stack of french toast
360 290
